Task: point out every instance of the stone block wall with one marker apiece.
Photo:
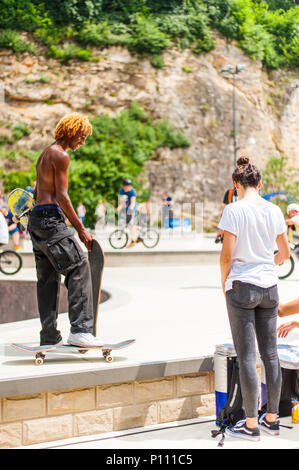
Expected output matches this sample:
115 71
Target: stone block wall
43 417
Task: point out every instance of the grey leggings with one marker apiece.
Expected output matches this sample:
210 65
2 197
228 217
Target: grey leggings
252 312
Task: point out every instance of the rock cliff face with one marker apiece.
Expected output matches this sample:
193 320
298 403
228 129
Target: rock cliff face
189 90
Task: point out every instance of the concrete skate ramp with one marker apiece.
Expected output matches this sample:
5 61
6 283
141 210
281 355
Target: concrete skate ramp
19 300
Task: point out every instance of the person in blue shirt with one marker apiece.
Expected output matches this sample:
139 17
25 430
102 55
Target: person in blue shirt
128 208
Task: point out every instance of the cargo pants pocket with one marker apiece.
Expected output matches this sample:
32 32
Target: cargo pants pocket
65 254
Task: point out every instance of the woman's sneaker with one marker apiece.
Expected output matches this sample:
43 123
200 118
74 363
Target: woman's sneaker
271 428
241 430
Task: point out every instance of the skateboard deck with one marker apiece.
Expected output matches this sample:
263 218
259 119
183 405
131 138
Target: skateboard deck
96 260
20 203
40 351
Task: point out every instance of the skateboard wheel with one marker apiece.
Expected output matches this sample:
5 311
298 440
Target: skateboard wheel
39 361
108 358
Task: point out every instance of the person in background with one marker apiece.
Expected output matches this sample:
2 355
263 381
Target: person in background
128 208
293 214
100 214
252 228
13 229
167 211
81 212
1 199
230 196
4 236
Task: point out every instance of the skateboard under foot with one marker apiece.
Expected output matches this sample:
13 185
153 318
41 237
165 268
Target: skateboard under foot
40 351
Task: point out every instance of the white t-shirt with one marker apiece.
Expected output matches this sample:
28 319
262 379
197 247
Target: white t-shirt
256 228
3 230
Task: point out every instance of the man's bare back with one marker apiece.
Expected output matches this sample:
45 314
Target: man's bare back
45 174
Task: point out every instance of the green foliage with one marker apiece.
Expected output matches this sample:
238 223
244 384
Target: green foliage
117 148
265 30
102 34
74 11
11 40
18 179
146 37
25 15
190 29
157 60
269 35
20 130
69 52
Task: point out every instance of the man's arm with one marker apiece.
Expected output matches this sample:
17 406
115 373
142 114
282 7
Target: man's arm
60 163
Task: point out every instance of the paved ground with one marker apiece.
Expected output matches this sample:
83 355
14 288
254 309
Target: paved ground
190 434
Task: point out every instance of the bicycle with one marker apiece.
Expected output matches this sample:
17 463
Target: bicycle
10 262
118 239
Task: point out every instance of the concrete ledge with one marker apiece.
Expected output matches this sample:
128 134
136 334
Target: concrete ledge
33 418
148 258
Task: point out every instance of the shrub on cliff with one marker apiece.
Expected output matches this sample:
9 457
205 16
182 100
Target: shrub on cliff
11 40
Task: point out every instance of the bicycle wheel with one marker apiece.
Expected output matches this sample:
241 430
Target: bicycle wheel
286 268
10 262
118 239
150 238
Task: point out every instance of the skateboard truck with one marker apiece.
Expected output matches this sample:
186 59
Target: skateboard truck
40 356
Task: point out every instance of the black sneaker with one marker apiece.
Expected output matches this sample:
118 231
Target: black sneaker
270 428
241 430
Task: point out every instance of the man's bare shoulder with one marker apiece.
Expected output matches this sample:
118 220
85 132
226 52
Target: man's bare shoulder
57 155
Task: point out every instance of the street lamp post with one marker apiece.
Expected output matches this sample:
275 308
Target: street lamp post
229 69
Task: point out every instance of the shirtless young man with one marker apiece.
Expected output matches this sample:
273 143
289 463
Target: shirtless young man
55 248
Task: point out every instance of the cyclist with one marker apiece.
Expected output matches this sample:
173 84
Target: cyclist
4 237
293 214
128 208
13 229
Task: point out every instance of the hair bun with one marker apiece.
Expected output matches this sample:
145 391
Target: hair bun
242 161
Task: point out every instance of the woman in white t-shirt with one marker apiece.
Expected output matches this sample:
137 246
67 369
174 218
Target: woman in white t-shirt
253 227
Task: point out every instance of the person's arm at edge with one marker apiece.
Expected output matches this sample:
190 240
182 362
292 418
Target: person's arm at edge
229 240
290 308
284 329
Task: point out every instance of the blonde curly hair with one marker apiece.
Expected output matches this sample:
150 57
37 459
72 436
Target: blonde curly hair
71 124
